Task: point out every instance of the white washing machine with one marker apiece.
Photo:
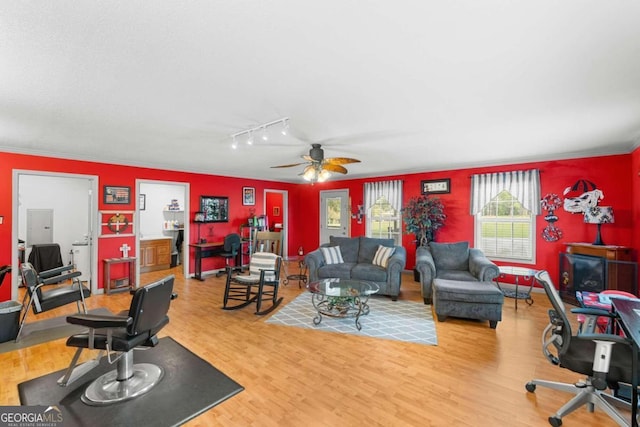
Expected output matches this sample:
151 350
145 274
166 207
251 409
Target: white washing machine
82 260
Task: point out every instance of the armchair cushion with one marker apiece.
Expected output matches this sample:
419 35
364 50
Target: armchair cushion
450 256
348 247
332 255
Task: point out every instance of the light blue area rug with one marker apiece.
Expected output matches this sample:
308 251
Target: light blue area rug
393 320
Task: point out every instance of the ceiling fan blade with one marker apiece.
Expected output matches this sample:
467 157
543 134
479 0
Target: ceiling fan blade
307 158
334 168
288 166
341 160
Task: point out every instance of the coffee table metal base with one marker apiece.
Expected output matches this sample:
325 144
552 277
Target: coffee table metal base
340 307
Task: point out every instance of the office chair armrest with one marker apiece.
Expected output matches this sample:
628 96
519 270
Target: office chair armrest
98 321
603 337
594 312
55 271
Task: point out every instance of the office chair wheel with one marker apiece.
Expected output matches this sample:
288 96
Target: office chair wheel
555 421
531 387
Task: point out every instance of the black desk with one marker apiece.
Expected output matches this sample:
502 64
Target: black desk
205 250
630 322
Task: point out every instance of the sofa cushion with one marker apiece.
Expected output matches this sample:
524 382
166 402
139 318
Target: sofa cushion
382 255
450 256
332 255
348 246
342 271
369 247
370 272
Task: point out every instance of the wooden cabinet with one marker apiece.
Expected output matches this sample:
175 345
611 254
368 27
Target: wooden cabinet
155 254
620 270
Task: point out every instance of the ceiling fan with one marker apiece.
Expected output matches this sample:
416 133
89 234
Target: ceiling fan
318 168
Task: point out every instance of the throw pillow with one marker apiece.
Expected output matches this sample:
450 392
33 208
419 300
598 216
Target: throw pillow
382 256
332 255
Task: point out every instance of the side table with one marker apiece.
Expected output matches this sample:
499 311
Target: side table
518 273
301 277
125 286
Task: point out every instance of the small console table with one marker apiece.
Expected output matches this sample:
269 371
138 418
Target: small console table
518 273
122 284
301 277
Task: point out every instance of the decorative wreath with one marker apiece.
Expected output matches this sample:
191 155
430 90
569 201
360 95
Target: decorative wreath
117 223
551 202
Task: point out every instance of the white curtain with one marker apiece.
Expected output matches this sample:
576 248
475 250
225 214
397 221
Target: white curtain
390 190
523 185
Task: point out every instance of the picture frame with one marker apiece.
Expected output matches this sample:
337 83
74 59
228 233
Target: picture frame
248 196
142 201
276 211
215 208
435 186
115 195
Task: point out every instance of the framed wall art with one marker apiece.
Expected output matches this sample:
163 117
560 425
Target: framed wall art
248 196
117 195
214 208
435 186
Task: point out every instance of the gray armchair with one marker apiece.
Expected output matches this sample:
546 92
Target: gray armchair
452 261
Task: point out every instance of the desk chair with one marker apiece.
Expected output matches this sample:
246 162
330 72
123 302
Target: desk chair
605 359
230 251
119 335
261 284
43 300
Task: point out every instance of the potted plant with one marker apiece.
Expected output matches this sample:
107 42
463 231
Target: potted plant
423 216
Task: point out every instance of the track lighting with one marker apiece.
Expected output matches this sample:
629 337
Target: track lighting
264 128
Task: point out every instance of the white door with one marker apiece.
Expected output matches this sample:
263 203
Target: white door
334 214
39 226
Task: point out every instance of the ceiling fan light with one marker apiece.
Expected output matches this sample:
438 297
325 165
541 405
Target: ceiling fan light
324 175
310 174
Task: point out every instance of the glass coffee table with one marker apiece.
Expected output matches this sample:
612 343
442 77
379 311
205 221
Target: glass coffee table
341 298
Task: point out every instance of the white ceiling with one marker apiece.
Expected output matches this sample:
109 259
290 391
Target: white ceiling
405 86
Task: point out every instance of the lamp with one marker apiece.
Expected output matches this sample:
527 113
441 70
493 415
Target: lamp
599 215
263 128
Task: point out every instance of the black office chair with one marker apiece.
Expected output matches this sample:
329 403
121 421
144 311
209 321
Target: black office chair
41 300
604 358
230 251
119 335
260 285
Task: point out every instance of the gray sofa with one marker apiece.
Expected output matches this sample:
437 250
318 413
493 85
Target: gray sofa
357 254
452 261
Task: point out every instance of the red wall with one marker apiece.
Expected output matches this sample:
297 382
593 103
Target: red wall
125 176
609 173
616 176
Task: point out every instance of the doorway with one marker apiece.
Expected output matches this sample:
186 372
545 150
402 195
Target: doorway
71 202
334 214
162 212
276 205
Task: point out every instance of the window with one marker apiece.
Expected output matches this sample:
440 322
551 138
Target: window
383 201
505 229
333 212
383 221
505 205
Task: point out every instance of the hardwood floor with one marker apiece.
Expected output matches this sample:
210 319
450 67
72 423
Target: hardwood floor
475 376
